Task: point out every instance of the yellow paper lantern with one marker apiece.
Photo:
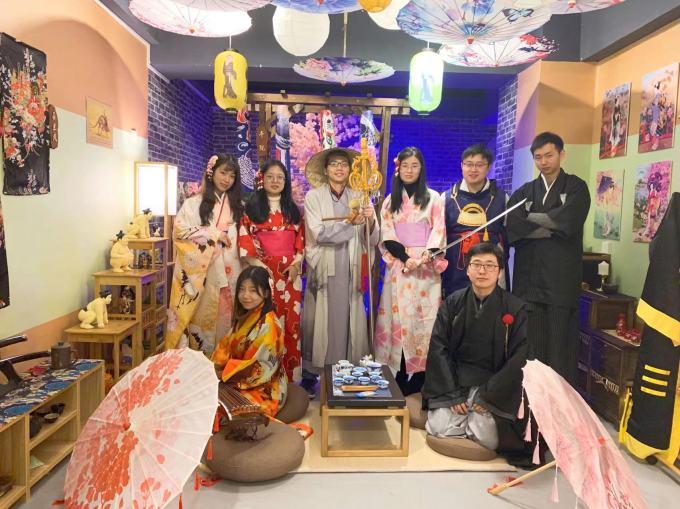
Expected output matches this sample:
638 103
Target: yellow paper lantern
374 5
425 81
231 81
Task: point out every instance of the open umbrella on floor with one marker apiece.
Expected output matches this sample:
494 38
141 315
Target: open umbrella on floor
146 438
582 447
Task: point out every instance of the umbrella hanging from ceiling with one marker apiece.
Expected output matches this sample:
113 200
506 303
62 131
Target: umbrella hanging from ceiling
577 6
515 51
224 5
325 6
454 21
174 17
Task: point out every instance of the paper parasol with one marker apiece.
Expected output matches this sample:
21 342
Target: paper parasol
224 5
515 51
578 6
456 21
173 17
343 70
320 6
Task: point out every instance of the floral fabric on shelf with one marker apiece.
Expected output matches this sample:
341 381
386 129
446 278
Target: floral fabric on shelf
23 125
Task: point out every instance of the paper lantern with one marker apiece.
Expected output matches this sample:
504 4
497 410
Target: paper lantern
387 18
425 81
231 81
300 33
374 5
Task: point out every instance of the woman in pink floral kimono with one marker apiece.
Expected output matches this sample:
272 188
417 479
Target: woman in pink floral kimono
412 227
207 259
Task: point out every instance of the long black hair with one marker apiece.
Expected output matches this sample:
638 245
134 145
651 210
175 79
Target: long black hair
421 196
260 279
205 210
257 207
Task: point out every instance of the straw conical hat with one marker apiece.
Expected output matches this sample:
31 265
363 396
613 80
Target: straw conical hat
315 171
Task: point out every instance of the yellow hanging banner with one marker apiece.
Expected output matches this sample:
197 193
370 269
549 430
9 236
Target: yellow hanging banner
231 81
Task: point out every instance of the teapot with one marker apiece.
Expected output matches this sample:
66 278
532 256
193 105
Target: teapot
63 356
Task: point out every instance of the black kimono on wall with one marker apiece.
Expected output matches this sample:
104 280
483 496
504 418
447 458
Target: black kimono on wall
23 118
468 348
548 242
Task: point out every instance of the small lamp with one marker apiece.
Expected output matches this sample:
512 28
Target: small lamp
156 189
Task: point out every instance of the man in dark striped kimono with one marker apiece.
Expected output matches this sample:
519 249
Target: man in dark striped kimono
547 234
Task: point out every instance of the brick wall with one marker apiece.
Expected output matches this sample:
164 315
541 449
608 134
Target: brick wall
505 137
180 126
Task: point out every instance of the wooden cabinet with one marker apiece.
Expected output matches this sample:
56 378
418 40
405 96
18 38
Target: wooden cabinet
601 311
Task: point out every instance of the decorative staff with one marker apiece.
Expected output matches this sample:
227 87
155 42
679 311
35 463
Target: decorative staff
366 178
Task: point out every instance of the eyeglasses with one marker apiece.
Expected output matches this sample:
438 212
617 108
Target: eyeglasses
275 178
479 165
338 164
488 267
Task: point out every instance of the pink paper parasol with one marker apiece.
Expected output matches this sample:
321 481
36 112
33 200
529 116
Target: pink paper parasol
457 21
577 6
515 51
174 17
581 445
147 437
224 5
343 69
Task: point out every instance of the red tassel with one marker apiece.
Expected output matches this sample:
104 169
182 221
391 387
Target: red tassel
527 433
209 454
216 423
520 411
364 273
61 501
197 481
555 496
180 502
537 456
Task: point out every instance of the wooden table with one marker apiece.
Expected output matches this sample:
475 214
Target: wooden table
393 405
114 332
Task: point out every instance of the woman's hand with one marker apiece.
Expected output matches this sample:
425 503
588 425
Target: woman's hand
358 219
426 257
293 271
412 264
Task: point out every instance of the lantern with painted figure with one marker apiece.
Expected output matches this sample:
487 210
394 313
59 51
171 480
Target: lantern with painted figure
231 81
425 81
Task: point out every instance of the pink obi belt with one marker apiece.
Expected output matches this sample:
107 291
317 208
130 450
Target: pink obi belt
277 243
413 234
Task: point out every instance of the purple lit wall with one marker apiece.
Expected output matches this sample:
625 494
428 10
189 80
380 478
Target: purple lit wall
505 137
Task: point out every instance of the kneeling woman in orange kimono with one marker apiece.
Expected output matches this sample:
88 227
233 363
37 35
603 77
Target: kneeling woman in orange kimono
250 355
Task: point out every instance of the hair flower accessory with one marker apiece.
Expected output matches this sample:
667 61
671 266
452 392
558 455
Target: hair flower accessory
210 167
507 320
396 166
259 180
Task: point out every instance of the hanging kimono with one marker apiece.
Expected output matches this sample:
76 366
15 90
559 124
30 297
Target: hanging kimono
206 270
409 301
249 358
334 318
464 212
472 348
277 244
547 233
4 276
23 118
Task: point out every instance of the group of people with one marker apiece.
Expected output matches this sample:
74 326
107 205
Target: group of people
447 324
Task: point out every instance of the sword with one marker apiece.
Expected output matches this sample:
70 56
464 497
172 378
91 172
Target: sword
478 229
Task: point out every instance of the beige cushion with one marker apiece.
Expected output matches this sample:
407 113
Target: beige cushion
278 450
295 407
461 448
417 415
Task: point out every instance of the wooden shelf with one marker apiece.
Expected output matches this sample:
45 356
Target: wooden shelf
50 453
48 429
12 496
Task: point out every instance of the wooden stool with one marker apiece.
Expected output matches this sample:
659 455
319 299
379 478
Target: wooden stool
114 332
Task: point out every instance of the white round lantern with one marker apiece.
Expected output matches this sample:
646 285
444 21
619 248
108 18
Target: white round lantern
300 33
387 18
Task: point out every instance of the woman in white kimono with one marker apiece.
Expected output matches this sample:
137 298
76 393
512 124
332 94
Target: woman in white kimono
207 259
412 226
334 317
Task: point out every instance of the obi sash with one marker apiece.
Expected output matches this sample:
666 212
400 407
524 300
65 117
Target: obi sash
277 243
413 234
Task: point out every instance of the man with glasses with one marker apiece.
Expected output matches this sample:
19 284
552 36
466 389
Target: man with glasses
473 376
334 319
547 234
469 204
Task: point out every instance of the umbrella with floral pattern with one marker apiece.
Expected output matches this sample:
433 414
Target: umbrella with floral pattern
343 70
515 51
146 438
578 6
320 6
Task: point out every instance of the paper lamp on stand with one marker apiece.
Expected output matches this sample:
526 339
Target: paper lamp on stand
300 33
374 5
156 189
231 81
425 81
387 18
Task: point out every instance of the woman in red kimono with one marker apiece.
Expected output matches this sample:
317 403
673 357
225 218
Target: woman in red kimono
271 235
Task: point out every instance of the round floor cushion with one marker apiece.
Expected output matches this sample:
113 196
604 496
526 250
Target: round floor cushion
461 448
295 407
417 416
278 450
